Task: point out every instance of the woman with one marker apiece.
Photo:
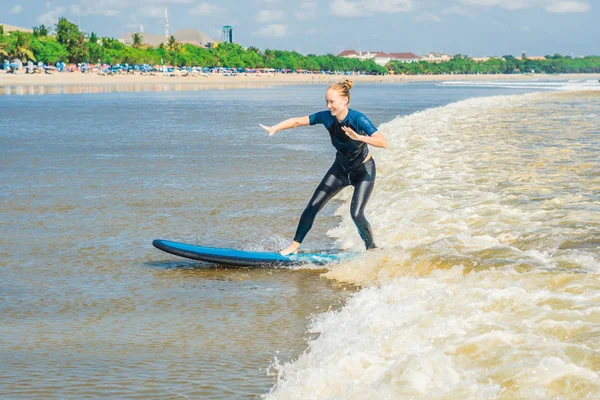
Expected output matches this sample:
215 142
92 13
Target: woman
351 132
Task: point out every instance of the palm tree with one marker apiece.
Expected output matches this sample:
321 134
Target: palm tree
21 49
80 52
3 51
173 45
269 55
137 40
40 31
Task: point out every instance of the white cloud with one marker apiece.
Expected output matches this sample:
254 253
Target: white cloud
356 8
510 4
305 15
16 10
428 17
568 7
265 16
514 4
204 9
144 8
308 10
51 17
77 9
273 30
554 6
388 6
105 8
458 10
152 12
343 8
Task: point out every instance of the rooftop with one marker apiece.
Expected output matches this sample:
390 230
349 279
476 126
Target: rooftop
188 35
348 53
11 28
380 54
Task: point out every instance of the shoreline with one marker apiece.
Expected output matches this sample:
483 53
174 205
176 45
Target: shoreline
76 82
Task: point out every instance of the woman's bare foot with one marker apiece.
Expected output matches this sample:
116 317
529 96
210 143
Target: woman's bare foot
291 249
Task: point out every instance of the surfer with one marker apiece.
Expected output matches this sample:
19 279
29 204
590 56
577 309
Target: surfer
350 132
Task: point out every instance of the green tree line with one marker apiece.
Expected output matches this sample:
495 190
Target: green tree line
69 44
508 64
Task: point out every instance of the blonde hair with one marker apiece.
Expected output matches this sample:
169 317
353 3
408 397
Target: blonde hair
343 88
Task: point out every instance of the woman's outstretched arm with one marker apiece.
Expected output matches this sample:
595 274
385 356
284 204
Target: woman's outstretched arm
287 124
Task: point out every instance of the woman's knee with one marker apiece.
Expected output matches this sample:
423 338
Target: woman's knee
311 210
358 215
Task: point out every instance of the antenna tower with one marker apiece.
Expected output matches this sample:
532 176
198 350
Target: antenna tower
166 24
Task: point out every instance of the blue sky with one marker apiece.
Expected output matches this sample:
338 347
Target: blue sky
472 27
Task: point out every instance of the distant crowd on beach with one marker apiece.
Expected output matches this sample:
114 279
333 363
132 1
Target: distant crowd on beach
147 69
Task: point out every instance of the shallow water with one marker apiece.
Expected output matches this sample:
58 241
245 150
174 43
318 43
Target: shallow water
473 198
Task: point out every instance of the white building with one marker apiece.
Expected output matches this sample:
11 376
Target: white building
380 57
436 57
405 57
362 56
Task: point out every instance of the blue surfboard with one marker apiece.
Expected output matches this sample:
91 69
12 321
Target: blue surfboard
243 257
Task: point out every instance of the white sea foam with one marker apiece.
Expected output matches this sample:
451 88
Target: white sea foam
487 282
569 85
451 335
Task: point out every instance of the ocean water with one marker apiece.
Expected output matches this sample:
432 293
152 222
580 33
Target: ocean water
485 209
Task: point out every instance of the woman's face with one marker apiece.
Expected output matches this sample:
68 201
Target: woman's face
336 103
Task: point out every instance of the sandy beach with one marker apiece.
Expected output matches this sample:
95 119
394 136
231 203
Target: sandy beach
218 81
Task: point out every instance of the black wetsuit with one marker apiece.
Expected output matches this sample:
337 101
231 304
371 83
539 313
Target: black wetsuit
349 168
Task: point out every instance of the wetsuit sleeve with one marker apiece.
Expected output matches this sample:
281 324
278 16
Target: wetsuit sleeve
365 124
319 117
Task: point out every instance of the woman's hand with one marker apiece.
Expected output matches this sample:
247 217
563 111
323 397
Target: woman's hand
376 139
270 129
351 134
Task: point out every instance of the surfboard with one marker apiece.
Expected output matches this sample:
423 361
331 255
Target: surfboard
244 258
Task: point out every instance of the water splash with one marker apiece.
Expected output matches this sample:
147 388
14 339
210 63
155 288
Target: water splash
486 285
